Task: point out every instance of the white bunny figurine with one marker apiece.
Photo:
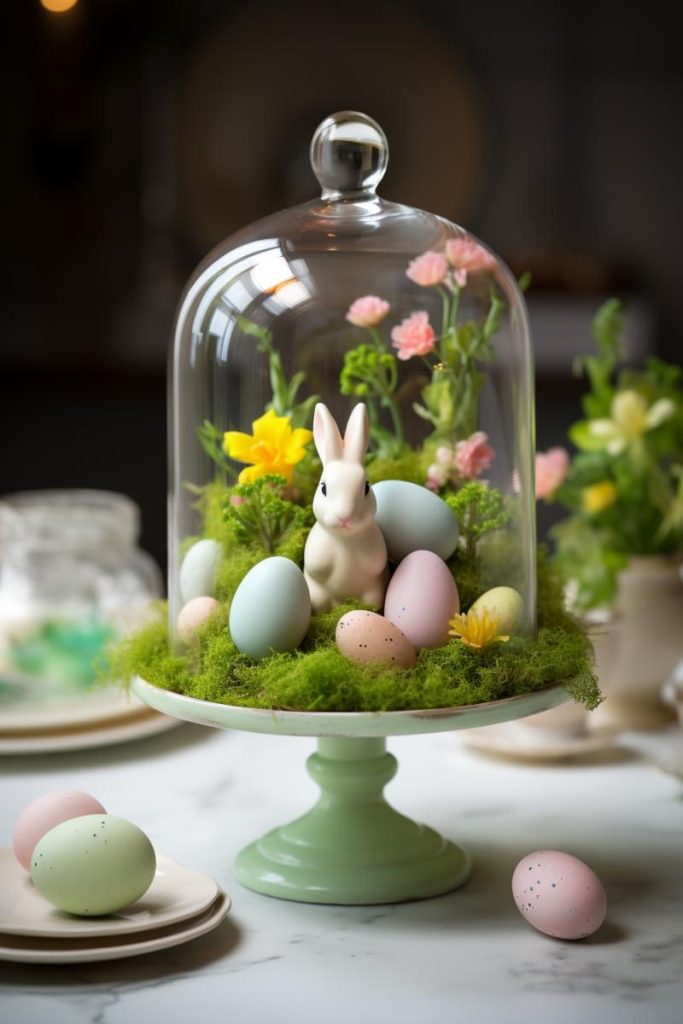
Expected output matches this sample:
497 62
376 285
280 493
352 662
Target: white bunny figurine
345 554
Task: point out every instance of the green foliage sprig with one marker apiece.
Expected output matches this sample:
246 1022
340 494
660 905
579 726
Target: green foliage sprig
450 401
370 372
211 440
624 488
479 509
284 401
265 517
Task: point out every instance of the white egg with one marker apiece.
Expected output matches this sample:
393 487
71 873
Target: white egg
197 577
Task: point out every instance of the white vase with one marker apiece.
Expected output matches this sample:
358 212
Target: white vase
649 630
572 719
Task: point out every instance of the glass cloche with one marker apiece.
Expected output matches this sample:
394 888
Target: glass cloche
351 452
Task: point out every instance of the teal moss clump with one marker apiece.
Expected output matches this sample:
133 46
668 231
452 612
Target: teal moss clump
318 678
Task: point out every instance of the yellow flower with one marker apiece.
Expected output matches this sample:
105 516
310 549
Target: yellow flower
273 448
598 497
630 419
477 628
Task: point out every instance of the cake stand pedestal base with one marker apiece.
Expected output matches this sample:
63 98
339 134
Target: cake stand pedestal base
352 847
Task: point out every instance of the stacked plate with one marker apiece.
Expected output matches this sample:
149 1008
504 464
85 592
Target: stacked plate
97 718
179 905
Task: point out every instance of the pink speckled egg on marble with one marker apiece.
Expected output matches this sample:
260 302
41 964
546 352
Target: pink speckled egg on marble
422 598
559 895
366 636
44 814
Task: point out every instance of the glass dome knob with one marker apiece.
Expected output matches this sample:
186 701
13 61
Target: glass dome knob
349 155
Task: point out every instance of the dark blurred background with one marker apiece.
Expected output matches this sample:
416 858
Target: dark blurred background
138 133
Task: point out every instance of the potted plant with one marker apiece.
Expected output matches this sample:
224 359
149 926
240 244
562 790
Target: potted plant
621 546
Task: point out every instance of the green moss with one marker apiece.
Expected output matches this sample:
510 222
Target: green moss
319 678
411 466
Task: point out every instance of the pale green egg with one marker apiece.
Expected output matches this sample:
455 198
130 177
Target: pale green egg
271 609
413 518
506 603
92 865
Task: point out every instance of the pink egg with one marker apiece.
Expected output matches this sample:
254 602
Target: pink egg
422 598
193 615
365 636
44 814
559 895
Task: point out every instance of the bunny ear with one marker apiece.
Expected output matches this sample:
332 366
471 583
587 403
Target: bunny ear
326 435
357 435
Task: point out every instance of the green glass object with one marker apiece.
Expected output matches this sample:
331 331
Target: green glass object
352 847
62 651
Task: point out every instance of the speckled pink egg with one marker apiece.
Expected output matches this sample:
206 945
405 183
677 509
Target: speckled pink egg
367 636
421 599
559 895
44 814
193 615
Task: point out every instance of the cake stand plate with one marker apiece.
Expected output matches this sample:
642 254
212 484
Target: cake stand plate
352 847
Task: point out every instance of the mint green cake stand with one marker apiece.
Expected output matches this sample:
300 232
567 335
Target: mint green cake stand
351 847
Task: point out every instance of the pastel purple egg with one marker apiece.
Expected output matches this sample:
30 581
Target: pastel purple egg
559 895
422 598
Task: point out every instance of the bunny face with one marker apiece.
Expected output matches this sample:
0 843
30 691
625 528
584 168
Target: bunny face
344 502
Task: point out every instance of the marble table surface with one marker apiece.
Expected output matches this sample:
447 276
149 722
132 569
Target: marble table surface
201 794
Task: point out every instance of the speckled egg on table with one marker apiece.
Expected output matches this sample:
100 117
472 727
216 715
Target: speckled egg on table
413 518
271 608
365 637
421 599
95 864
559 895
44 813
197 576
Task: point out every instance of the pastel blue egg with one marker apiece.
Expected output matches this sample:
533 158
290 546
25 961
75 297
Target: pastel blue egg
271 609
413 518
197 575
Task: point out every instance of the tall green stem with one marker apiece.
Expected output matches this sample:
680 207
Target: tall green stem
445 314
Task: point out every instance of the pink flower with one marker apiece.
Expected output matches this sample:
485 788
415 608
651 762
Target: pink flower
474 455
367 311
436 477
467 255
413 337
427 269
445 456
442 470
551 469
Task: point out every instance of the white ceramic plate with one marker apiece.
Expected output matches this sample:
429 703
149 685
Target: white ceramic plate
88 708
25 949
176 894
519 741
97 734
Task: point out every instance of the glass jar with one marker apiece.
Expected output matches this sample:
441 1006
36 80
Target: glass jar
71 579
